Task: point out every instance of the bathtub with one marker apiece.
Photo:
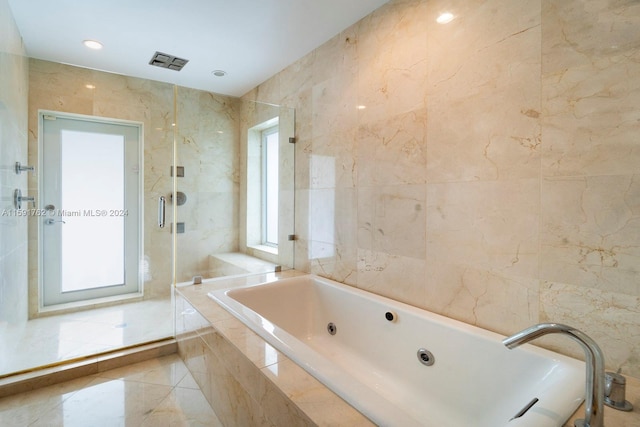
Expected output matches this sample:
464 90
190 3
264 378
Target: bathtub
402 366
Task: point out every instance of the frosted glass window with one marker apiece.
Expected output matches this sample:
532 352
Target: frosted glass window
92 183
271 186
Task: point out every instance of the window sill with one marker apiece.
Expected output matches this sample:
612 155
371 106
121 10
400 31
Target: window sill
264 248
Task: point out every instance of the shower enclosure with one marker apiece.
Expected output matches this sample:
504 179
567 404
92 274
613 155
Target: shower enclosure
203 153
235 186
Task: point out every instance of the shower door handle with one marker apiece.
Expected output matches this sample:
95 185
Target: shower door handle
161 203
51 221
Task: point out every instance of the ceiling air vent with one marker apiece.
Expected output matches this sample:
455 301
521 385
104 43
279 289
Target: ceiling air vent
165 60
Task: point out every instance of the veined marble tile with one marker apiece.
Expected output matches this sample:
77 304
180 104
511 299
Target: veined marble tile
393 150
332 230
310 395
484 91
26 408
332 217
611 319
334 104
462 53
591 91
95 404
484 298
398 277
333 162
490 226
336 262
295 80
392 220
589 232
392 61
576 32
163 371
183 407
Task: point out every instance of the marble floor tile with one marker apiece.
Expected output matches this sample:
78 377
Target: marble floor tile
52 339
157 392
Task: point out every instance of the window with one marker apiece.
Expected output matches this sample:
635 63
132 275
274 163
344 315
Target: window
270 186
263 187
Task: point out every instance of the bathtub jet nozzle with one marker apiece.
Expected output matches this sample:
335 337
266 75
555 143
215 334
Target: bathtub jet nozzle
332 328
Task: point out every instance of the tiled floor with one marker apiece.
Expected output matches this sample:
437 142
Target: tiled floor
159 392
51 339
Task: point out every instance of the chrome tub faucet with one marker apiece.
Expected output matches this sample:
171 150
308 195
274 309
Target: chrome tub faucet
594 390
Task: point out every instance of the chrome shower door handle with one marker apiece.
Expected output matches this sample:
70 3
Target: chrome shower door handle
51 221
161 204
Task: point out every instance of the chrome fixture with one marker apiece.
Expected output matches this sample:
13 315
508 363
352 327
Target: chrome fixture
614 392
426 357
161 204
19 168
180 199
524 410
18 198
594 390
51 221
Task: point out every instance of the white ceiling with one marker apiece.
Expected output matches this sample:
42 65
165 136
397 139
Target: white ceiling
249 39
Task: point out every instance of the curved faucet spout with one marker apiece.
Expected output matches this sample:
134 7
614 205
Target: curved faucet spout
594 395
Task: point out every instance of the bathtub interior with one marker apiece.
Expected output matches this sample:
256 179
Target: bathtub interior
475 380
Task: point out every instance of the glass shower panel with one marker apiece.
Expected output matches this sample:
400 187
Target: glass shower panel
43 335
234 208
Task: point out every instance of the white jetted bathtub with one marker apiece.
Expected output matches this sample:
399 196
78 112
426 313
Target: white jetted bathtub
402 366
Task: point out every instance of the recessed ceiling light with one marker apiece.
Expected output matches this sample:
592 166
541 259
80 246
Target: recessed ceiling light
445 18
219 73
362 107
90 86
92 44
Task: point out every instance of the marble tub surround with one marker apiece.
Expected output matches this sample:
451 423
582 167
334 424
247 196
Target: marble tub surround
514 127
208 335
157 392
246 380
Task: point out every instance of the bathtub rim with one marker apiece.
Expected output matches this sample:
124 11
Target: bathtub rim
297 352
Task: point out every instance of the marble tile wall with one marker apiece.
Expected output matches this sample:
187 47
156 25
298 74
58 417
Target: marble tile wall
484 169
207 133
14 86
208 148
